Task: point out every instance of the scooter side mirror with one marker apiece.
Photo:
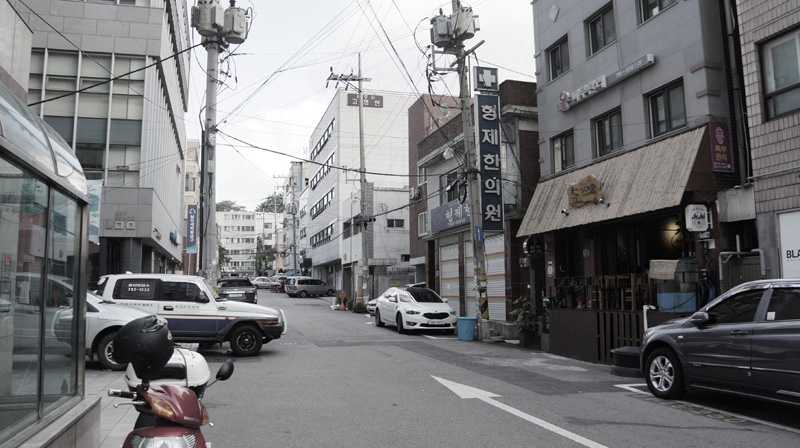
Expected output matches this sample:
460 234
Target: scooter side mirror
225 371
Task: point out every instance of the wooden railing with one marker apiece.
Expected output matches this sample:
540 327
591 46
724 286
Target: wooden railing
589 335
604 292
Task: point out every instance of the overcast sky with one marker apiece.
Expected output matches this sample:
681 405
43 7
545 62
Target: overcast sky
275 93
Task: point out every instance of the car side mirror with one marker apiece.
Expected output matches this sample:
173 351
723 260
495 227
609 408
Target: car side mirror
700 318
393 299
445 300
201 298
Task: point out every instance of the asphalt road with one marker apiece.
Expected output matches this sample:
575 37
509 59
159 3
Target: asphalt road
336 380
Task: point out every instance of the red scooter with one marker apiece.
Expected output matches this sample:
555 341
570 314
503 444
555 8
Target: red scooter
177 411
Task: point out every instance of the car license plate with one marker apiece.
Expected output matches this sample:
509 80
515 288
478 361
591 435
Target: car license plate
235 294
435 322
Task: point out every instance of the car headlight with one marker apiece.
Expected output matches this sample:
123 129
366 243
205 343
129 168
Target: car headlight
452 312
412 312
185 441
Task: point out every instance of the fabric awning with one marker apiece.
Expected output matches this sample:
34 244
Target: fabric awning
650 178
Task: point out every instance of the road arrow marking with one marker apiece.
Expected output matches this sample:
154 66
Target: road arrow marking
470 392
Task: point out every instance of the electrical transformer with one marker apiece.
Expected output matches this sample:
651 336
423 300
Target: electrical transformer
208 16
236 25
441 30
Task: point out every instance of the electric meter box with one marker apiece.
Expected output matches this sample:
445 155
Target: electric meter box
208 16
235 30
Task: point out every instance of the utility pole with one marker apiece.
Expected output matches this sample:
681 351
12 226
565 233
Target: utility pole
365 252
218 28
450 33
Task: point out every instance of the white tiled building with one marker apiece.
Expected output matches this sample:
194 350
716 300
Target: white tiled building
239 233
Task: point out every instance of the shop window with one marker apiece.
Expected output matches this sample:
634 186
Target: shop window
563 152
667 110
608 133
558 58
651 8
781 62
602 30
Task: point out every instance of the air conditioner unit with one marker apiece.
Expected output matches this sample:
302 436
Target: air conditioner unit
414 193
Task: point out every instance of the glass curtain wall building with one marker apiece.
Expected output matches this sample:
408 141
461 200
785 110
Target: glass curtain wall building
43 223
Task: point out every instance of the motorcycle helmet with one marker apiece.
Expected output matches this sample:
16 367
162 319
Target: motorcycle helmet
146 344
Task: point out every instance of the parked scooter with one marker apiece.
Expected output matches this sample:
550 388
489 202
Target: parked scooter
147 345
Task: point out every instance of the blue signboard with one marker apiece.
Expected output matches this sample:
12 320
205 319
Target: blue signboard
191 230
447 216
487 128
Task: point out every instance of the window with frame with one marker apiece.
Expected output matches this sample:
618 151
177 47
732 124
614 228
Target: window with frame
781 62
558 58
422 224
608 132
395 223
651 8
602 30
445 180
563 152
422 175
667 109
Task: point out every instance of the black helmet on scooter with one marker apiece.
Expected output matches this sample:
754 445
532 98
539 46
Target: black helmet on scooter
146 343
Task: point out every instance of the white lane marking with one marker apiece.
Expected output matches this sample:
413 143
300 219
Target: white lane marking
632 388
487 397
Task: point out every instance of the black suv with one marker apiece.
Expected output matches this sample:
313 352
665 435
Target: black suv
237 288
745 342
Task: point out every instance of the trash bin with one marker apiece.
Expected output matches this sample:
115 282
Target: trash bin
466 328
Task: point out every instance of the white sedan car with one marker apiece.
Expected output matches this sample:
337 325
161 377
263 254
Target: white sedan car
103 319
410 308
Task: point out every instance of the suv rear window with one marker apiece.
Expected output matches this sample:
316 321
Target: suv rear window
231 283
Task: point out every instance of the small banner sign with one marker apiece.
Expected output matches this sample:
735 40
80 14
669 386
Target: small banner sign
589 189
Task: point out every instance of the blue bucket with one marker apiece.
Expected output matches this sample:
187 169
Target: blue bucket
466 328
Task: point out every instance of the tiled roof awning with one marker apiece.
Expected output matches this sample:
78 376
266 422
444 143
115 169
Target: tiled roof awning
651 178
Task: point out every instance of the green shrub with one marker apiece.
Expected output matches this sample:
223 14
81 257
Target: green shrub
360 308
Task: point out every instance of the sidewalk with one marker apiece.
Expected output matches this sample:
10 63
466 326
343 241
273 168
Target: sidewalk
115 423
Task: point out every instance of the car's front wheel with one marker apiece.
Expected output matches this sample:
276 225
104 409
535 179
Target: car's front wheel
378 321
331 292
303 294
105 353
246 341
399 321
664 375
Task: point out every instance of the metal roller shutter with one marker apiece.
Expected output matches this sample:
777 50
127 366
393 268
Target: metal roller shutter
496 276
469 280
448 275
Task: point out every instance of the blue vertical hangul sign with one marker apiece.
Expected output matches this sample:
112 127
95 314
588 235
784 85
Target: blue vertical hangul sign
487 126
191 230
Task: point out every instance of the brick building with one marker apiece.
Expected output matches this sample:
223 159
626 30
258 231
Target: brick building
770 43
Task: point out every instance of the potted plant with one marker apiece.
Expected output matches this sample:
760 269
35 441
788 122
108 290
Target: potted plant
526 320
570 290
